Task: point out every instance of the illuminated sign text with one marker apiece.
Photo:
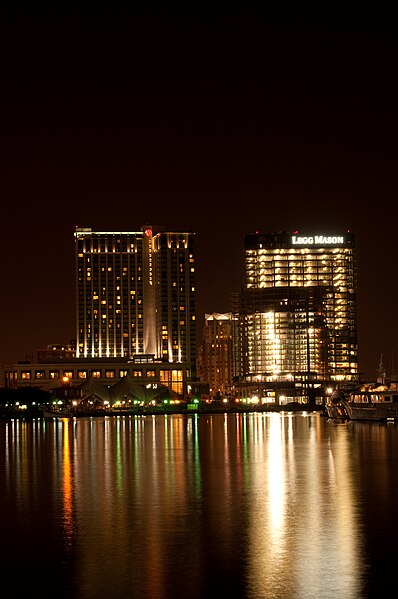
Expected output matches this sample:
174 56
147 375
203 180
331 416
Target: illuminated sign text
317 240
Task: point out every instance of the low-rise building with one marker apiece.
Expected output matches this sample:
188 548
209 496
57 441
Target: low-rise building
145 370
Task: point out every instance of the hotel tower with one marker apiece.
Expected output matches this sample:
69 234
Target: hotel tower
136 295
298 317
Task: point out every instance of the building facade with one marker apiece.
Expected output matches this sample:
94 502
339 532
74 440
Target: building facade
215 353
50 373
297 313
136 295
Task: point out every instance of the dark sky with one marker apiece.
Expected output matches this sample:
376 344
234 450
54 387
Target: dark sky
221 134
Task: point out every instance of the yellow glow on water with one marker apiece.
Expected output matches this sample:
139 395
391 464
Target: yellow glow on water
67 488
298 543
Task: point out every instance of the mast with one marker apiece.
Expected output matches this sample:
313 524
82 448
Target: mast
381 372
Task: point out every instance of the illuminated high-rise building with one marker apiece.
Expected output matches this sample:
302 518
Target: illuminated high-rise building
136 295
298 316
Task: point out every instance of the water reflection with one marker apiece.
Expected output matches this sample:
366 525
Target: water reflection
250 505
67 489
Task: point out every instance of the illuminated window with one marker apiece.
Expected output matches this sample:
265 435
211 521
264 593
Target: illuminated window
165 376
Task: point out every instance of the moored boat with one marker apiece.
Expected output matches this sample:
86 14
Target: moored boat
379 404
58 413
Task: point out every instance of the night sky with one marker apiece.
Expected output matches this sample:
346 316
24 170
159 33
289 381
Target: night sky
218 134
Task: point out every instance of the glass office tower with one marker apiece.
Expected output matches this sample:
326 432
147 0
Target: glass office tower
136 295
298 308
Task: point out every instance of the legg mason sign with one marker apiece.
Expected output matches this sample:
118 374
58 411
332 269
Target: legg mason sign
318 240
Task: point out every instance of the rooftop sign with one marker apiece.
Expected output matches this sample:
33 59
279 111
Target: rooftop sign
317 240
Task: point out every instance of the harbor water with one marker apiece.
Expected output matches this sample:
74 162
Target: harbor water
248 506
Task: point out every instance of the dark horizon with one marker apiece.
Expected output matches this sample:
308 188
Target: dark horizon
283 134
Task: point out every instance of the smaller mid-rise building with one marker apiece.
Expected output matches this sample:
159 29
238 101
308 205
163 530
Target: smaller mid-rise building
215 354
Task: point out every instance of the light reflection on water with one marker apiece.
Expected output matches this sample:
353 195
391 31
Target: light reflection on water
244 505
298 543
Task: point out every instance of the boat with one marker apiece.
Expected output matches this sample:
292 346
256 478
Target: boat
378 403
58 413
